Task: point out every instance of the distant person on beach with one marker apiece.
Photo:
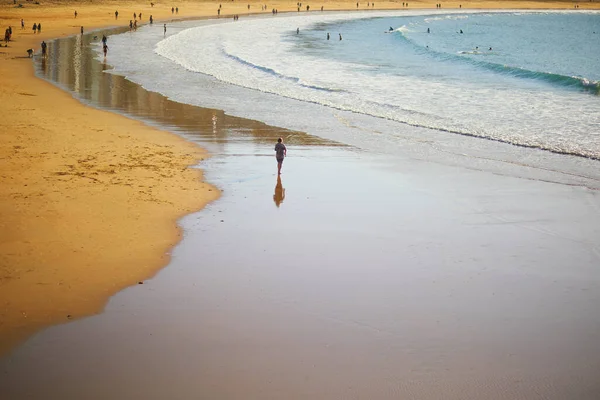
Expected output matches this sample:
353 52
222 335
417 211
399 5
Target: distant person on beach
39 28
280 153
140 16
134 16
176 10
116 14
328 36
75 13
22 24
461 31
34 28
165 30
428 30
81 30
340 36
151 20
172 10
297 31
130 25
44 49
105 49
104 39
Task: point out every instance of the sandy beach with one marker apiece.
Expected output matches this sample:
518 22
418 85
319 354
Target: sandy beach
90 202
89 199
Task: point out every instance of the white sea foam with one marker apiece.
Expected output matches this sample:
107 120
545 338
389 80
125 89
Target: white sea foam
257 55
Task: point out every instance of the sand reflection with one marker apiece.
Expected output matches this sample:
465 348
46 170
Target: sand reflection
279 195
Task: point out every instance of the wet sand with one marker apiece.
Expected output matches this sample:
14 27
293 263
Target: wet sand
356 275
457 285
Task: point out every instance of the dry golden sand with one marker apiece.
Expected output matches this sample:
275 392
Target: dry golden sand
89 199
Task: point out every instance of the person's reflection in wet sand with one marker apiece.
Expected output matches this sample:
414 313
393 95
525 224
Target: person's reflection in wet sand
279 192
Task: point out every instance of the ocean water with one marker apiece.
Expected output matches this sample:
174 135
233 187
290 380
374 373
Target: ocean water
530 79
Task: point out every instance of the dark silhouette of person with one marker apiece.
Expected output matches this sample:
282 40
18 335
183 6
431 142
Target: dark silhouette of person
116 14
280 154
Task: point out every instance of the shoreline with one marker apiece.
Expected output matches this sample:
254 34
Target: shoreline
50 229
83 216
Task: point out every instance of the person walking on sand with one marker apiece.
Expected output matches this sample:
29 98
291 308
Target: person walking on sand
116 14
105 49
280 154
165 30
44 49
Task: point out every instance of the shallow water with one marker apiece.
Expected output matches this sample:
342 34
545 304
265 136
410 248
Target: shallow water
537 87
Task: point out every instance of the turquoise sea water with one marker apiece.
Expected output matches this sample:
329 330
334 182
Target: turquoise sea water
524 78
